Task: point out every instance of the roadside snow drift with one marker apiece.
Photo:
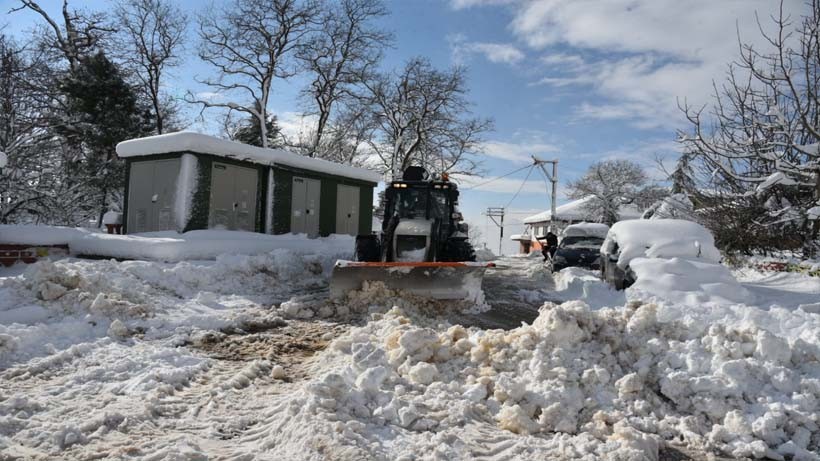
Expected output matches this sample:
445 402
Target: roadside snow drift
204 244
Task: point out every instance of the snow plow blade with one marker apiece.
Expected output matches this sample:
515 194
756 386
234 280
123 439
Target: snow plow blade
437 280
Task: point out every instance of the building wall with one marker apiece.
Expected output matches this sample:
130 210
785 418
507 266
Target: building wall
283 184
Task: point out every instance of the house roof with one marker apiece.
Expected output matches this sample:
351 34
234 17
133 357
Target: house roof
576 211
186 141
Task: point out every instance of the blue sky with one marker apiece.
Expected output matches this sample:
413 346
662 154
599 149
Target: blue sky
579 81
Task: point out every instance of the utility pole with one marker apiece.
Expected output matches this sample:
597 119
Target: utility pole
497 212
553 178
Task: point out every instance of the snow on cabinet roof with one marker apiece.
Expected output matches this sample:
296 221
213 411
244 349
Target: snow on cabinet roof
575 211
203 144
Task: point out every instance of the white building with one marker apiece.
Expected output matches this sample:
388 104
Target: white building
536 226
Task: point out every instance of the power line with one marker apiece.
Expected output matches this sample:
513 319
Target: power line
497 178
520 187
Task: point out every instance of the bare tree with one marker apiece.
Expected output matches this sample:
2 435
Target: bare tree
339 55
78 36
151 37
249 43
612 184
419 118
756 149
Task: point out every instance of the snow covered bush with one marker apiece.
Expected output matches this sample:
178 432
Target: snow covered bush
754 157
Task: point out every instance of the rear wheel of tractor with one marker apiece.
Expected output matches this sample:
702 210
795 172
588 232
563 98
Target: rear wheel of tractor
367 248
457 251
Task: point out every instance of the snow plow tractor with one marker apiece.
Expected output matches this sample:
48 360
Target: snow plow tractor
422 248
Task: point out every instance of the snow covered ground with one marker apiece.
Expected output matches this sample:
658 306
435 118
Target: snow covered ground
245 358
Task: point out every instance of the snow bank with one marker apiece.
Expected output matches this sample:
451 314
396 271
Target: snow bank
184 141
575 283
660 238
686 282
203 244
29 234
576 384
586 229
485 254
54 305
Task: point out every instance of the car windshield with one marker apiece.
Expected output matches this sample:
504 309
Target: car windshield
587 243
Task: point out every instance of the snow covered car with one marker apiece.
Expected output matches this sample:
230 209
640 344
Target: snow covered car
580 246
653 238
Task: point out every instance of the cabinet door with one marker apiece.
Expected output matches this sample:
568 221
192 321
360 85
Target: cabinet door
140 191
221 214
166 175
151 195
347 210
314 192
298 206
245 198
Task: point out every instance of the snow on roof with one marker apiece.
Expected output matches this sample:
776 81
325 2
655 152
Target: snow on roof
576 211
203 144
524 237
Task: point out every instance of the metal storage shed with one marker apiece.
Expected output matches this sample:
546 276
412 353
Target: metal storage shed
186 181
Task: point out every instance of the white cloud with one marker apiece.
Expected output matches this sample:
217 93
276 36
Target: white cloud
499 53
519 153
639 56
461 4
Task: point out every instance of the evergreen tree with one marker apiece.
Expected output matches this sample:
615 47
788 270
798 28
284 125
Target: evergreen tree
101 111
682 176
247 131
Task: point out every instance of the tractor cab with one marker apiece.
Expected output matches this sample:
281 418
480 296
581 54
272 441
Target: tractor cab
416 197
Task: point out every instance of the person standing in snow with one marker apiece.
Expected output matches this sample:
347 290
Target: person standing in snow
549 244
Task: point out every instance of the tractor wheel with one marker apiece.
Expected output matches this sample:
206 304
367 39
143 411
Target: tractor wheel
457 251
368 248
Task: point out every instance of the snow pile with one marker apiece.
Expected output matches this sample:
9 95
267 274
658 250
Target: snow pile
686 282
30 234
577 383
586 229
54 305
575 283
202 244
660 238
112 217
485 254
